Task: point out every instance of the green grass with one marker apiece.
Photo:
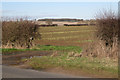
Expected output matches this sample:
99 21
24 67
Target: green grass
94 65
46 48
13 49
59 48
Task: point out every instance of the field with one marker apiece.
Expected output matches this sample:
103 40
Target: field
72 38
58 43
66 36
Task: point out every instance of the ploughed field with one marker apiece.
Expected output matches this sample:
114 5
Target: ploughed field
66 35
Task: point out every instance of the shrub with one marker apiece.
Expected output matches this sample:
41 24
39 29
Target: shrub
107 26
19 33
106 41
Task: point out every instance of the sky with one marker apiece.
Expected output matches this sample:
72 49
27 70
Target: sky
36 10
60 0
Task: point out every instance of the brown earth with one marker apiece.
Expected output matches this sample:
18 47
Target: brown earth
13 58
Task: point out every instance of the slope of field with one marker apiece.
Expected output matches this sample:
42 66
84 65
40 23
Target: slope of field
66 35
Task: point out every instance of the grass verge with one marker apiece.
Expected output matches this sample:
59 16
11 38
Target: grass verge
89 65
45 48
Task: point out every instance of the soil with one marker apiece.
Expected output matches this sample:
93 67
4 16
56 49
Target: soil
13 58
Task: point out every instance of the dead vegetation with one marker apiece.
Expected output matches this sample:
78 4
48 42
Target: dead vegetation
106 41
74 54
100 50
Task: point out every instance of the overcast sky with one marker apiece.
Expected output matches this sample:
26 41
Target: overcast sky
81 10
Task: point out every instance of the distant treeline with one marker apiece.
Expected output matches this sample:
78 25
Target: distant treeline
65 25
67 20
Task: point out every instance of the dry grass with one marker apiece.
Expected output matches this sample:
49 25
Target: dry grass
99 49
